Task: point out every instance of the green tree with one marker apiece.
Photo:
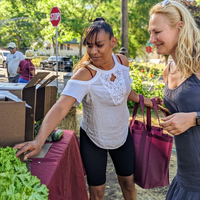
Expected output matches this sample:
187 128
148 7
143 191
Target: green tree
19 22
198 2
138 25
76 15
33 21
194 8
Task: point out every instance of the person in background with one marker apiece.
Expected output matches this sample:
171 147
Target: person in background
103 85
12 63
174 32
26 67
123 51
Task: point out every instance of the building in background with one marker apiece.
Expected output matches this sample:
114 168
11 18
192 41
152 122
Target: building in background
68 48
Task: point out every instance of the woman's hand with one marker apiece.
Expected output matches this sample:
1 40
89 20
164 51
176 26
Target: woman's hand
33 148
178 123
50 122
159 101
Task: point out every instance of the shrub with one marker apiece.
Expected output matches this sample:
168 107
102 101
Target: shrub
147 80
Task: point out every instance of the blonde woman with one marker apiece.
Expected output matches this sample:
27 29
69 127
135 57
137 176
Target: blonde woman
174 32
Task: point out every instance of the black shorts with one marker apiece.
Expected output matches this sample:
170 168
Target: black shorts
95 159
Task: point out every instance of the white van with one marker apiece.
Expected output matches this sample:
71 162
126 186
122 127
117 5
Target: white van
3 56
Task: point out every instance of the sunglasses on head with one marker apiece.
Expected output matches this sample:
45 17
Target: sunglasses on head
10 48
165 2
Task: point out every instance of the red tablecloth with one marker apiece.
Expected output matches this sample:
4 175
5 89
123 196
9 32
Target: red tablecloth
61 170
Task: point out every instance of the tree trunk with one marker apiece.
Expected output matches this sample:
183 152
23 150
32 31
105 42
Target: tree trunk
18 44
80 47
124 24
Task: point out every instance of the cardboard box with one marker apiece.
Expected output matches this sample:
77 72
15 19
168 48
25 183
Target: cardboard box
46 98
26 92
12 122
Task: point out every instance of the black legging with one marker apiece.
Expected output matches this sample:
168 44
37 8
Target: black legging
95 159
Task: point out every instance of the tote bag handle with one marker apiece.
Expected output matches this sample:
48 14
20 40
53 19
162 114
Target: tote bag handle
149 114
135 109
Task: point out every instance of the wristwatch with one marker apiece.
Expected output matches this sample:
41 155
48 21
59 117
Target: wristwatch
198 119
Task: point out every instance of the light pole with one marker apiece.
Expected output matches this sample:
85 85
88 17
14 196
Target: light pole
124 23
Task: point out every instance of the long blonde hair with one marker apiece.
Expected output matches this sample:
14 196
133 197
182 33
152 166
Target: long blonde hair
188 49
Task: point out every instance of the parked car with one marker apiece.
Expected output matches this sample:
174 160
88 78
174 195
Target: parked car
3 56
64 63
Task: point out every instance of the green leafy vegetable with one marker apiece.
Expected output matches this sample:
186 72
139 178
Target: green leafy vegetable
15 182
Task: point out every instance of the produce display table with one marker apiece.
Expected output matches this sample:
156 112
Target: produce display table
61 170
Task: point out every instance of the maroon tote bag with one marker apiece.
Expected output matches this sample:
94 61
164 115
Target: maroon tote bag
152 150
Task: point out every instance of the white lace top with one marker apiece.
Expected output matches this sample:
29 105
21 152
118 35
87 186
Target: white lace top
105 111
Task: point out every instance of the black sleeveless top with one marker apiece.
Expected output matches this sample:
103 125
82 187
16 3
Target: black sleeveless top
185 98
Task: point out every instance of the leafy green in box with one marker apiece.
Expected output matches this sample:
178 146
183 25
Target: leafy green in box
15 182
